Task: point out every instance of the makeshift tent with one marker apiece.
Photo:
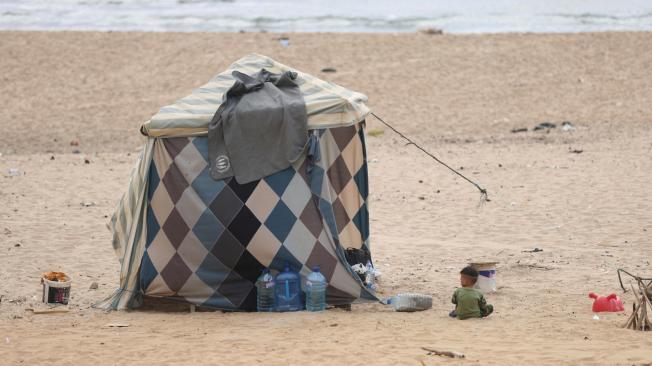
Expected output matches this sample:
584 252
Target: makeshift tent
181 235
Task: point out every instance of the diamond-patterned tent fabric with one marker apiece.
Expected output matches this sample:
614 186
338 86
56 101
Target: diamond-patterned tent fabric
182 235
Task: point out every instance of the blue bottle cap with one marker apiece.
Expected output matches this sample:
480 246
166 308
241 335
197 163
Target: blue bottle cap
315 269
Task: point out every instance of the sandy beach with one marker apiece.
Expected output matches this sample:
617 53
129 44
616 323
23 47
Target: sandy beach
581 195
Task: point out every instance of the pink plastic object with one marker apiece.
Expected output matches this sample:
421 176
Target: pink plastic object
609 303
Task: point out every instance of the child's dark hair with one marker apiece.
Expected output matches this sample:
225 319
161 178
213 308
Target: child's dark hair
469 271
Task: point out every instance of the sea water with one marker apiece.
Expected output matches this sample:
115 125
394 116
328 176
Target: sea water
468 16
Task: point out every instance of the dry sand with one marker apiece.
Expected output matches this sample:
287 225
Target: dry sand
457 95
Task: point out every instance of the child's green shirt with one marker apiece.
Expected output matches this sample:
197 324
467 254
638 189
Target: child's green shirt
470 303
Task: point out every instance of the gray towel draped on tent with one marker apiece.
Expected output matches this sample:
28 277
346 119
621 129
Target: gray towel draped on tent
259 129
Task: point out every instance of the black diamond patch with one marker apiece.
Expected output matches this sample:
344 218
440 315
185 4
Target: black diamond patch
243 191
248 267
244 226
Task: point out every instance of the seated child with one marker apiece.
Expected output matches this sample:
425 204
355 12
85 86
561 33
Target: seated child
469 302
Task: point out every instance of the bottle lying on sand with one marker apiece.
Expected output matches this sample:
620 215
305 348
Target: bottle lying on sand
409 302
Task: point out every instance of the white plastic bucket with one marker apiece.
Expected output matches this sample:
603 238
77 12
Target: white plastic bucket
486 276
56 292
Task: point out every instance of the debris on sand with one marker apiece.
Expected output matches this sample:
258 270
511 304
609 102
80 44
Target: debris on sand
284 41
544 126
575 151
451 354
48 310
517 130
566 126
14 172
329 69
432 31
535 250
375 132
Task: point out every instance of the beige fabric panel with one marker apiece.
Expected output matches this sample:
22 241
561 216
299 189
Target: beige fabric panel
128 227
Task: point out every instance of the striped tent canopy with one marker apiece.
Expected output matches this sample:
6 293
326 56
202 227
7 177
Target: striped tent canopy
328 105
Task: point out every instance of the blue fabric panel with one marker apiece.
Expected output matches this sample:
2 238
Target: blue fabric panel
206 187
208 229
361 221
152 226
362 181
279 181
284 256
212 271
153 181
280 221
147 272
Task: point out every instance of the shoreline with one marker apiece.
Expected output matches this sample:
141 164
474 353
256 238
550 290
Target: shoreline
378 33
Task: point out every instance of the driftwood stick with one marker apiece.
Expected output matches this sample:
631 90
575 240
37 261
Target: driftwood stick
632 317
646 299
646 320
635 295
642 316
639 319
451 354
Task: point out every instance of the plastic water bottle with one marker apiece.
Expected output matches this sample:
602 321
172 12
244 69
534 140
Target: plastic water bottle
265 286
370 278
410 302
316 291
288 290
